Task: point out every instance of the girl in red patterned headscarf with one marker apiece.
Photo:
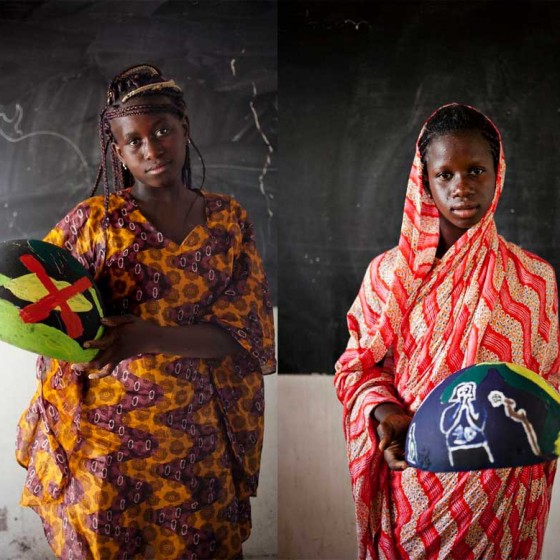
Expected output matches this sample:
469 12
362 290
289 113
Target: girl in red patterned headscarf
451 294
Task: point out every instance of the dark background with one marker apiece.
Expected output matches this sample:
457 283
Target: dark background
357 81
56 61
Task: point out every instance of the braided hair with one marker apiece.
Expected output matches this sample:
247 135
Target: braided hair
457 117
138 81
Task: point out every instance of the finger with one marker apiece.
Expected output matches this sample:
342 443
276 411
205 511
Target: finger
384 443
101 360
101 344
385 434
103 372
397 465
79 368
116 320
394 456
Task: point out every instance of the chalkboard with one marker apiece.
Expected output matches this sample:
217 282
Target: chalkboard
357 80
56 60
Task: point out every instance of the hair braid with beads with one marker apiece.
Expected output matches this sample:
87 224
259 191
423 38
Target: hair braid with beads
458 117
138 81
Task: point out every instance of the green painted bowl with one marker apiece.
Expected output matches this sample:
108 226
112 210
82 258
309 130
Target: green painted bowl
49 303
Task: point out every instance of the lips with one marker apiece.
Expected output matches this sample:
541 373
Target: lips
465 211
158 167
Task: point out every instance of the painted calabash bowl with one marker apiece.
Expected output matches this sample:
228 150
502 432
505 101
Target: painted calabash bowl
489 415
49 303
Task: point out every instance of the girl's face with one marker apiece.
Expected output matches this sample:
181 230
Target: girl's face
152 145
461 179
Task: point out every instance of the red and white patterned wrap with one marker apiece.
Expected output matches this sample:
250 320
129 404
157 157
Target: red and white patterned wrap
417 320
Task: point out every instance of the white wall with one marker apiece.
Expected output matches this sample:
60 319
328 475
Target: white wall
315 508
304 465
21 533
316 516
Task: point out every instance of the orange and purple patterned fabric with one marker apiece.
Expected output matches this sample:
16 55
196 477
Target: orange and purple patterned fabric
417 320
159 459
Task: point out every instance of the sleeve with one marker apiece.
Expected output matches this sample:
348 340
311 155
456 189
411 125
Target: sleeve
364 373
47 432
531 282
80 232
364 378
546 340
244 308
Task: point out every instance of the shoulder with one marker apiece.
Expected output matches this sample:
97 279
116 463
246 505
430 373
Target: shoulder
221 202
524 262
383 265
85 220
120 204
225 209
93 208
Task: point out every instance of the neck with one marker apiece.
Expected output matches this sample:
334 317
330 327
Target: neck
173 193
449 234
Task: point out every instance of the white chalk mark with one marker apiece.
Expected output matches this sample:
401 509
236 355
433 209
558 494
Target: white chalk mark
13 221
357 24
268 159
461 424
258 127
412 456
232 64
16 119
497 398
235 167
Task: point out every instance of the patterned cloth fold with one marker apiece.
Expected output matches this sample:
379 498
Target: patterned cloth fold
417 320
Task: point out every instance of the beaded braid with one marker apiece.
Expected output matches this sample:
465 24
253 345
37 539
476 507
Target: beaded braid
456 117
138 81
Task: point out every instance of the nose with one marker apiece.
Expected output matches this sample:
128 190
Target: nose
462 187
152 149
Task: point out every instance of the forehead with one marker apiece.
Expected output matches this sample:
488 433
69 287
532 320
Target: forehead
140 122
469 144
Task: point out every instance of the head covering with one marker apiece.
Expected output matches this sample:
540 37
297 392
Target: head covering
470 260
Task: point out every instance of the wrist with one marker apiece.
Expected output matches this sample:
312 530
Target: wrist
381 411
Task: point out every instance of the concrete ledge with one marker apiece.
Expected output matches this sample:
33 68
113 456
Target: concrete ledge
315 507
316 514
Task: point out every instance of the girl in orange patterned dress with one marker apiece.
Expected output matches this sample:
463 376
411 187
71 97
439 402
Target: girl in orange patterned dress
451 294
153 449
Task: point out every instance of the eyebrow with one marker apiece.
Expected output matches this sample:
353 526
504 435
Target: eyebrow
156 123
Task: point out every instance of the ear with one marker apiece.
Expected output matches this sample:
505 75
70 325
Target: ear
118 151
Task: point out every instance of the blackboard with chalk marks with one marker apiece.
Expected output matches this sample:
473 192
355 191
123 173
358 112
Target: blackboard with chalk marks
357 81
56 60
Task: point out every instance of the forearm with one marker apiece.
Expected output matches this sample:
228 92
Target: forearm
192 341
